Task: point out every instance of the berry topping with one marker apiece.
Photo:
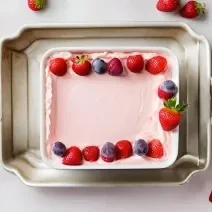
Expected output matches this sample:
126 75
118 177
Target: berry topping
58 148
123 149
155 149
167 5
192 9
108 152
58 66
91 153
73 156
167 90
99 66
156 65
140 147
36 5
135 63
170 116
115 67
81 65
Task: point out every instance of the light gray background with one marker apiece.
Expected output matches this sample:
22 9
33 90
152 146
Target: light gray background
15 196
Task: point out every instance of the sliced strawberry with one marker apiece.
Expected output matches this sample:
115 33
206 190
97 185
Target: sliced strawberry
91 153
123 149
155 149
73 156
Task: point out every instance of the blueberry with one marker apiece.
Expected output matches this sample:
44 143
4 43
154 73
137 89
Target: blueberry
169 87
99 66
108 150
59 148
140 147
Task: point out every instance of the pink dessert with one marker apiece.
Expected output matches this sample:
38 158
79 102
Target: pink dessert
91 110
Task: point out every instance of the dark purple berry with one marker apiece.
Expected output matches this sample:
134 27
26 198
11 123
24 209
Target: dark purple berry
99 66
140 147
169 87
59 148
108 150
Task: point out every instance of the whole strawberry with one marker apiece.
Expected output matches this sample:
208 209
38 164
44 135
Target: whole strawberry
114 67
135 63
73 156
36 5
91 153
156 65
81 65
123 149
167 5
170 116
192 9
58 66
155 149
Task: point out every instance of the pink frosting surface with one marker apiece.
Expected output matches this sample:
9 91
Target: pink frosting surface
95 109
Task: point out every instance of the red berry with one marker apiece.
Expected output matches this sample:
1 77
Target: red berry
210 197
36 5
155 149
167 5
58 66
164 95
91 153
192 9
81 65
156 65
135 63
73 156
123 149
170 116
108 160
114 67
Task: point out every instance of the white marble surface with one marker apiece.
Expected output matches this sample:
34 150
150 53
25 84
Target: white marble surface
15 196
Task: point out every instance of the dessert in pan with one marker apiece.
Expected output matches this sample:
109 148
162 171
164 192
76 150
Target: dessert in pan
111 108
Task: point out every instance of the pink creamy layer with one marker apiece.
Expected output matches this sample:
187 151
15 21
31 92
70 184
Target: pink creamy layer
96 109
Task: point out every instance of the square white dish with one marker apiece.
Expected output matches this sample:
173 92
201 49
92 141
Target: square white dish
134 162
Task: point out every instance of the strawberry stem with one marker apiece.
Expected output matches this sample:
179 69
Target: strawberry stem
40 4
200 7
171 104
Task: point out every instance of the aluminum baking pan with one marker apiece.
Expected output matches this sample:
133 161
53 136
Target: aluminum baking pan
20 58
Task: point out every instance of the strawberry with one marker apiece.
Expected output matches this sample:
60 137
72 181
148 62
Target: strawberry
114 67
210 197
91 153
123 149
167 5
192 9
156 65
36 5
170 116
58 66
155 149
73 156
135 63
81 65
